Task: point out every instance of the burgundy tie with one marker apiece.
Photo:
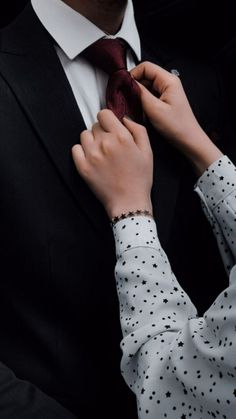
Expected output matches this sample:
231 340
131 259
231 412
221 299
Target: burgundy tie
122 93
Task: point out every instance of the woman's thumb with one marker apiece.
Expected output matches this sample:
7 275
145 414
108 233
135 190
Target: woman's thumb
148 100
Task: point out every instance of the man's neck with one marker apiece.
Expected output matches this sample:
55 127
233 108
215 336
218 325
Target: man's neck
106 14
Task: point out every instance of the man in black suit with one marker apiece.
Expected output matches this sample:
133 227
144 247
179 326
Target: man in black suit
59 321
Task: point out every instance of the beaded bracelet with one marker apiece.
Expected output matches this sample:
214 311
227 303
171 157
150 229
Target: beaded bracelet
130 214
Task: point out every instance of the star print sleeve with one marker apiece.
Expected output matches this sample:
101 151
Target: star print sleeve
177 364
217 191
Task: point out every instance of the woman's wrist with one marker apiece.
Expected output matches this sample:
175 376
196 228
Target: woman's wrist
204 160
127 206
131 214
201 151
204 156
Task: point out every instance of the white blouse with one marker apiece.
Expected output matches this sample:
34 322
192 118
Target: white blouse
179 365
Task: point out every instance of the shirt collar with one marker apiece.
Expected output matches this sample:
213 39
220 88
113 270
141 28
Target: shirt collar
74 33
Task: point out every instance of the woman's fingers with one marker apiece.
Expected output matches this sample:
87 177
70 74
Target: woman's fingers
87 141
110 161
106 133
79 158
152 106
138 132
98 133
108 121
153 73
111 124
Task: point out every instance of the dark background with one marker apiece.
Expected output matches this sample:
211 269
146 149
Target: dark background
189 21
201 29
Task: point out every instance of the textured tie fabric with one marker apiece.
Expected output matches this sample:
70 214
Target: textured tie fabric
122 93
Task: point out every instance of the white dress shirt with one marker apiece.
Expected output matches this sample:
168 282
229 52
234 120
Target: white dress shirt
73 33
178 365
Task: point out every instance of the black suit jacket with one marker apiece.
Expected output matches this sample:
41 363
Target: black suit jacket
59 317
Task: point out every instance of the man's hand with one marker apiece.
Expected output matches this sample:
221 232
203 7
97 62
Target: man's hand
117 163
166 105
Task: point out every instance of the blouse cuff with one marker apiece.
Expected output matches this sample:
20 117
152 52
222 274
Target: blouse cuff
136 231
217 182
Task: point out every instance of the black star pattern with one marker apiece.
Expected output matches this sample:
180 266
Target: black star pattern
167 346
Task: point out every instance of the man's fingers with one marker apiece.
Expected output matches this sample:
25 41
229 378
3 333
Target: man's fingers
154 74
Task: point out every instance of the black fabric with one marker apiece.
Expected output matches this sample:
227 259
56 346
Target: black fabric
59 316
9 11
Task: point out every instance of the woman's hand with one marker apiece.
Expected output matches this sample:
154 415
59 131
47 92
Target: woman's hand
166 105
116 162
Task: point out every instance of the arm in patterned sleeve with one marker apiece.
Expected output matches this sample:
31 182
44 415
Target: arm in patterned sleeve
177 364
217 190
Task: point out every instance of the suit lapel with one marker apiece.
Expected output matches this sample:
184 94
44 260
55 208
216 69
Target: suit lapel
38 80
166 165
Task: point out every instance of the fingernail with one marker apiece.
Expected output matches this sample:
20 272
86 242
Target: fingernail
175 72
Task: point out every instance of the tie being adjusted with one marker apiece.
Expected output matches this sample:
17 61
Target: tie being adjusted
122 93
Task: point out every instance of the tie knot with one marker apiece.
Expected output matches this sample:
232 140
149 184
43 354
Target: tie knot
107 54
122 92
